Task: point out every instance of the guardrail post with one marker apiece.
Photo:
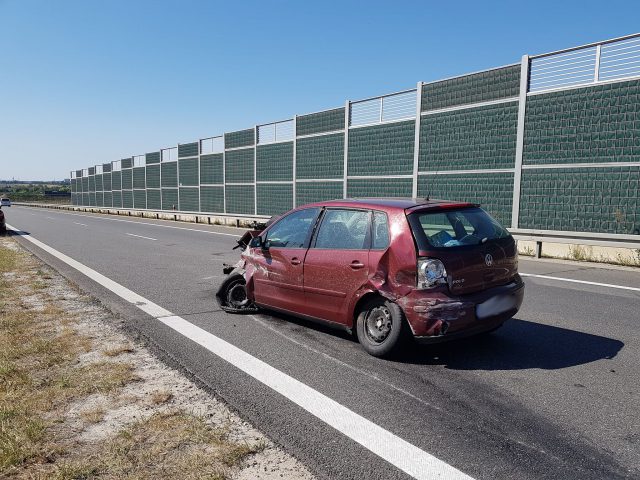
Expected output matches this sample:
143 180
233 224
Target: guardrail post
416 141
538 249
347 115
517 175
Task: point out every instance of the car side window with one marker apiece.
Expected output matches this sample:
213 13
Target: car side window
344 230
380 231
293 230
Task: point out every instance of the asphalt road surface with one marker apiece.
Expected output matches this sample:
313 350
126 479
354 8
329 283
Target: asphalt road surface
553 394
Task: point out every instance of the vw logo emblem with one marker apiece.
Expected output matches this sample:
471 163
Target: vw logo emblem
488 259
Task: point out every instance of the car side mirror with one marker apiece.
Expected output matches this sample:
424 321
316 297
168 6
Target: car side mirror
256 242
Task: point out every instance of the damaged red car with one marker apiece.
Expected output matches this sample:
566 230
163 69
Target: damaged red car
388 269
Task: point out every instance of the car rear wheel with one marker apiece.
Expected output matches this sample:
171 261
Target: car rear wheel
381 327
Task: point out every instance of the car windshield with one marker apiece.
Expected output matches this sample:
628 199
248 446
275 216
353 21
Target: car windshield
455 228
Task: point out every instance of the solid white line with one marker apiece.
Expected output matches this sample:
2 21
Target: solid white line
50 218
398 452
144 223
83 224
597 284
140 236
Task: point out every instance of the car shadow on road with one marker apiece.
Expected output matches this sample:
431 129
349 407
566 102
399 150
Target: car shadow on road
518 345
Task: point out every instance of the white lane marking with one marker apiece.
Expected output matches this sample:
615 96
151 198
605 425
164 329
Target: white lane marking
344 364
393 449
83 224
50 218
597 284
141 236
144 223
123 292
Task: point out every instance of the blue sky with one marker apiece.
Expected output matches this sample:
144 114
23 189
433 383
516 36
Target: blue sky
88 82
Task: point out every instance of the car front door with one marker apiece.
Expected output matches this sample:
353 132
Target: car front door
279 262
337 264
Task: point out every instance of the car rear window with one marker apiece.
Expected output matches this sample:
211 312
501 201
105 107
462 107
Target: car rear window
455 228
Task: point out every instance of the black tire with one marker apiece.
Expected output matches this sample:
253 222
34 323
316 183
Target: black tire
381 327
231 296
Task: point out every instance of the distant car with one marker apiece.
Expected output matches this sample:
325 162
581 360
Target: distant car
5 202
385 268
3 225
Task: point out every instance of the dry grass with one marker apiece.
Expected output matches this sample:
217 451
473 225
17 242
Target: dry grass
42 376
158 397
118 350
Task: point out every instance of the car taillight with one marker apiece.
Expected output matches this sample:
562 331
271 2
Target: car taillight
431 272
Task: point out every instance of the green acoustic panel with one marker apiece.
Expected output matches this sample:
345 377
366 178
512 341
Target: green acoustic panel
153 176
320 157
78 173
240 199
478 87
85 184
116 197
188 150
242 138
602 200
239 166
73 185
139 177
116 181
212 199
85 199
126 162
98 179
108 199
469 139
154 199
327 121
379 187
274 162
169 174
127 179
382 149
140 199
106 167
151 158
169 199
188 171
189 199
92 183
92 199
274 199
494 191
585 125
92 170
106 182
127 199
99 199
309 192
211 168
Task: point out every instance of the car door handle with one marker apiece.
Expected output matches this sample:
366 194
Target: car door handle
356 265
295 261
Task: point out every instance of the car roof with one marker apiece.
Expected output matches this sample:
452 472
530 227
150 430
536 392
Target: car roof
411 204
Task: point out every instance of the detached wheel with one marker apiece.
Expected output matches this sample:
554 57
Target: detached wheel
381 327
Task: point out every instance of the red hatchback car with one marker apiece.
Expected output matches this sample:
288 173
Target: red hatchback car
387 268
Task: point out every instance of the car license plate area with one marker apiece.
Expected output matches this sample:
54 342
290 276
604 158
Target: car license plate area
495 306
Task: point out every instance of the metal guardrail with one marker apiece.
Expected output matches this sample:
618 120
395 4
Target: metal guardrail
600 62
386 108
276 132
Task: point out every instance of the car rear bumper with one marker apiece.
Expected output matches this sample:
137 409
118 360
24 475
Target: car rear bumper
438 316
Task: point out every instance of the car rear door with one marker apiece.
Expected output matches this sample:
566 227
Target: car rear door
279 265
337 263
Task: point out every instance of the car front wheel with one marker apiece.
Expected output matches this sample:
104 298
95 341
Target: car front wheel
381 327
